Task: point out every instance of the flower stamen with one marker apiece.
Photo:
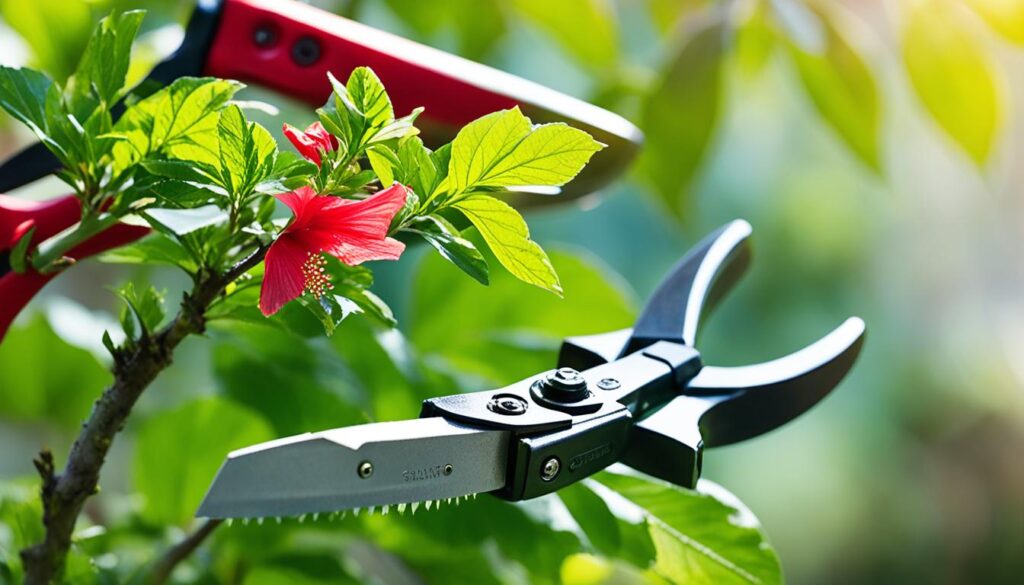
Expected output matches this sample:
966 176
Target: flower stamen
316 281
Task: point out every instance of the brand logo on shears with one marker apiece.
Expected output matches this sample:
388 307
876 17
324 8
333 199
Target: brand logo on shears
425 473
590 456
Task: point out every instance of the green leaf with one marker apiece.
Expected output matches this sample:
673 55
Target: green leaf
100 75
698 537
592 513
503 150
18 256
841 87
369 98
585 28
508 237
179 451
512 331
184 221
180 120
32 389
247 152
680 115
399 128
383 161
1006 17
23 95
459 251
953 75
145 309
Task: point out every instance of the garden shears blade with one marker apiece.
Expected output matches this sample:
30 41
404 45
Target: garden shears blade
639 396
289 47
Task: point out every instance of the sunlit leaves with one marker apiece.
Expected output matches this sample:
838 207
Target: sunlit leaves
698 538
503 149
179 120
508 237
179 451
1006 17
681 114
440 234
585 28
23 95
840 86
953 75
101 73
247 152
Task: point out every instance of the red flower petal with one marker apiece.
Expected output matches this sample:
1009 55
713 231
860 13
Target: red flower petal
282 277
353 231
322 137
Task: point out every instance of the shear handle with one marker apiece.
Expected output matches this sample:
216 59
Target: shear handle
722 406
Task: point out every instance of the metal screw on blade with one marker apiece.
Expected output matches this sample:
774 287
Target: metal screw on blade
448 469
564 385
507 404
264 36
306 51
550 469
608 384
365 469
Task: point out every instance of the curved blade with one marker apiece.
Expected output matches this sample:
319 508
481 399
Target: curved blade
748 401
691 290
363 466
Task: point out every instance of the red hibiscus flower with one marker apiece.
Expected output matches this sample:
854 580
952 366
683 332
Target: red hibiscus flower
352 231
311 143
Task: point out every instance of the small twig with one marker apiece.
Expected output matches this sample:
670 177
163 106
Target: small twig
64 494
163 568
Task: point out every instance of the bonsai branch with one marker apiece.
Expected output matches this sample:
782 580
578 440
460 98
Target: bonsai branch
64 494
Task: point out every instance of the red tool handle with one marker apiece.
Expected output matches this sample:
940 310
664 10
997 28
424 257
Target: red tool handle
290 47
49 218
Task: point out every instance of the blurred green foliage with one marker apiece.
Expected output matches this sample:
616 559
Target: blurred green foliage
874 147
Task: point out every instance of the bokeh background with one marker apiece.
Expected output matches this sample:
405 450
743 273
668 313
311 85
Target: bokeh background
875 146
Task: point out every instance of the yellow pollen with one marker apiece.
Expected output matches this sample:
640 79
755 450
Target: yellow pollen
316 281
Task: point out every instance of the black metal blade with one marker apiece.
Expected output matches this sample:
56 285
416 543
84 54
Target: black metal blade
691 290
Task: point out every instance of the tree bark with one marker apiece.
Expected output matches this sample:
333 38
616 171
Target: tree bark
64 494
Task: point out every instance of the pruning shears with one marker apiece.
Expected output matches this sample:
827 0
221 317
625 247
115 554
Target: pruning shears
639 396
289 47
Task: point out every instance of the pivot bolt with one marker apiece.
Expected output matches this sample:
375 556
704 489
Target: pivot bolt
507 404
563 385
550 469
365 469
